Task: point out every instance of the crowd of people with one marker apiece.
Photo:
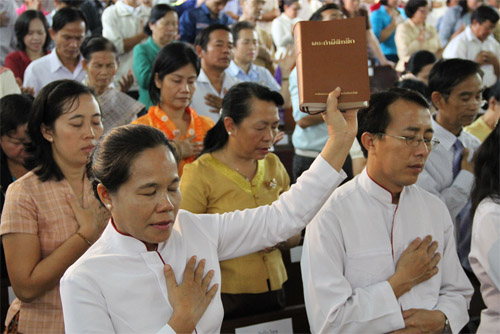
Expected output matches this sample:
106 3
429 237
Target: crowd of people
111 109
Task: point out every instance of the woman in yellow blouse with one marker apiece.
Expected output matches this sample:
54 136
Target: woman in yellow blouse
172 86
414 34
236 171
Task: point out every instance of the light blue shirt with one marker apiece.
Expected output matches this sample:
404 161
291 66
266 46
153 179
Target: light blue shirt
312 138
257 74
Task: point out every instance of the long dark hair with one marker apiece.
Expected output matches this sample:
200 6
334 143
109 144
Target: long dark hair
236 105
22 27
55 99
487 171
171 57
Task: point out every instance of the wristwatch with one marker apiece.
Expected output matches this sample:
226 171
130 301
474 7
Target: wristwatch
447 327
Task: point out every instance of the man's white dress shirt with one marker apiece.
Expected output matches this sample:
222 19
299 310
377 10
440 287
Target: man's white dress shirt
485 262
467 46
437 178
117 286
50 68
352 247
120 22
204 87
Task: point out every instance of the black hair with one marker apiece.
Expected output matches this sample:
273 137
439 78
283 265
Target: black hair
485 13
73 3
464 6
289 2
157 13
14 112
67 15
376 117
383 2
171 58
55 99
22 27
446 74
415 85
203 36
487 171
239 26
316 16
413 5
419 60
236 105
93 44
111 159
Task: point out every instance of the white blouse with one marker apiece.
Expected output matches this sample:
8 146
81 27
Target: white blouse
117 286
484 259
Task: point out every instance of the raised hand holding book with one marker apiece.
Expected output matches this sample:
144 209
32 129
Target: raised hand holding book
332 54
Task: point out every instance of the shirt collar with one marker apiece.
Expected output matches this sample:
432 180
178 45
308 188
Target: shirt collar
375 190
469 34
234 69
446 138
205 9
202 77
56 64
152 43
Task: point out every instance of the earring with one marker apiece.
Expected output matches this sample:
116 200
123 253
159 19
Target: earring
229 133
108 206
51 139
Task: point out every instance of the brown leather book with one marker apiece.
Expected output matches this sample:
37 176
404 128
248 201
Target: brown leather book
332 54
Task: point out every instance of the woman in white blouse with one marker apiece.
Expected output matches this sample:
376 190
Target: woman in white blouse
485 244
141 276
414 34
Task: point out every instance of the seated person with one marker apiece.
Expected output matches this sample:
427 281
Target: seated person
101 63
281 28
384 22
485 124
242 67
477 43
213 45
123 24
380 255
162 28
195 20
414 34
236 171
172 86
484 255
419 66
455 19
64 62
33 40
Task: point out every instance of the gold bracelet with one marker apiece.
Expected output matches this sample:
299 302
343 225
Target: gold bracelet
86 240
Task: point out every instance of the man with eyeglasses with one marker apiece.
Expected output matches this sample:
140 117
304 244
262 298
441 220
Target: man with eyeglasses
380 255
456 88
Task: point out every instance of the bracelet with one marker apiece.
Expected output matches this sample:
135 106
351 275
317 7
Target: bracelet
284 79
86 240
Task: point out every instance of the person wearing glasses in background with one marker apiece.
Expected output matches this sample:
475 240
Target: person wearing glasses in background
456 88
401 273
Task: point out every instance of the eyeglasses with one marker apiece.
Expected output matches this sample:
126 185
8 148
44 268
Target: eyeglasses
415 141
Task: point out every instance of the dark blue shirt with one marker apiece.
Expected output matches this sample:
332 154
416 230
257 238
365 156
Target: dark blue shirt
197 19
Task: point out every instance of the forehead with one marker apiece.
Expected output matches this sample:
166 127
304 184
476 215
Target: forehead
247 33
220 35
472 84
406 115
262 111
84 104
331 14
171 15
103 56
153 165
73 28
36 24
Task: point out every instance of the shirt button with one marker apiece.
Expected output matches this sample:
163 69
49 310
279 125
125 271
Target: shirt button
191 132
164 118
